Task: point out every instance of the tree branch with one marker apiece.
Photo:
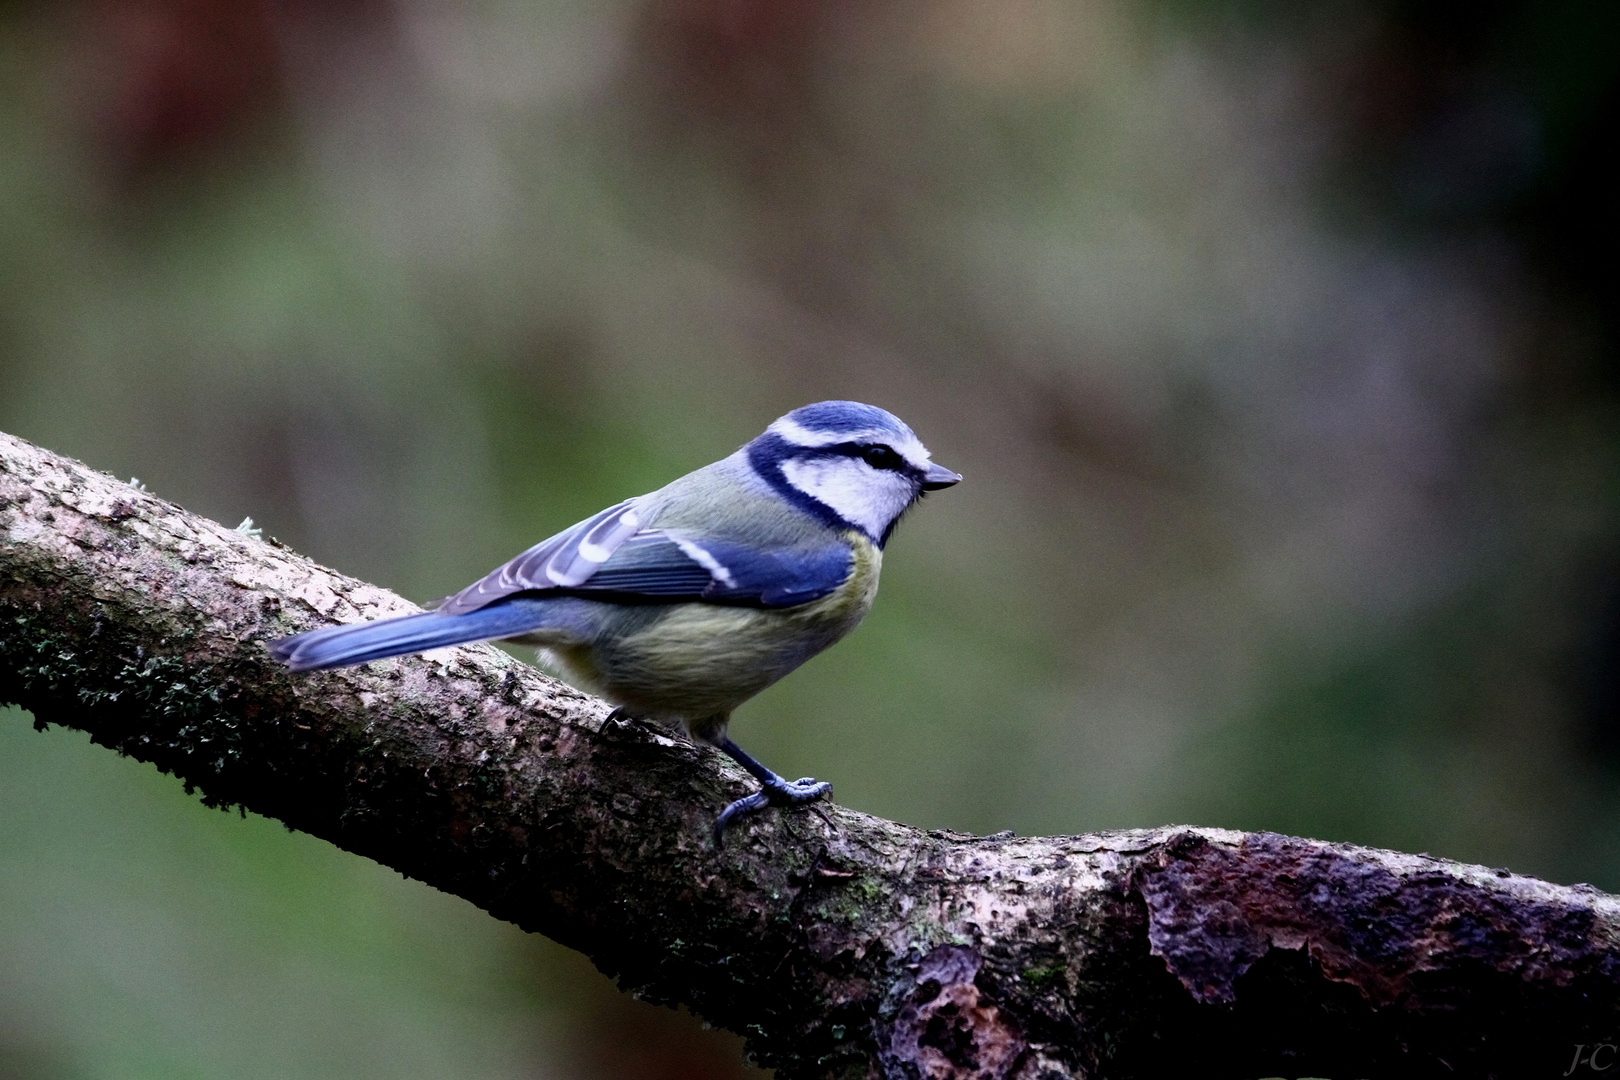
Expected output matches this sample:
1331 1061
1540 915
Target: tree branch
839 943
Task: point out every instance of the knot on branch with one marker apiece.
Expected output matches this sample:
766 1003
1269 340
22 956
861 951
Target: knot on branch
947 1031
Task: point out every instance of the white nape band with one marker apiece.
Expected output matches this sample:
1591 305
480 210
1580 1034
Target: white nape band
705 560
908 447
799 435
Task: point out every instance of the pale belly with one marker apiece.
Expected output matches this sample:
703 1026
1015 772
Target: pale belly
696 661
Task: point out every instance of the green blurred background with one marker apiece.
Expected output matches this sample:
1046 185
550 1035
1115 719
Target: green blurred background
1276 341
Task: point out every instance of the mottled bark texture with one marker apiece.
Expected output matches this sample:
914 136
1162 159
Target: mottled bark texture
839 943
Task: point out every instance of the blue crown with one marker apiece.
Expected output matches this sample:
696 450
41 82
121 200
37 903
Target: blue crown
848 418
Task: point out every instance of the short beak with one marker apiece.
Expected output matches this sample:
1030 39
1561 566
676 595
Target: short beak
938 476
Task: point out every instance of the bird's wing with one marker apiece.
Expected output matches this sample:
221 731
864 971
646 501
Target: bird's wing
562 561
610 556
673 564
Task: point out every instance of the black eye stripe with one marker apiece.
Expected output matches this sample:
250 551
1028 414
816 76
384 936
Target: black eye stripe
881 457
876 455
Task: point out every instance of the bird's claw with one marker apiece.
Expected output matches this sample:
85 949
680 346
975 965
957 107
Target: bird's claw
798 792
806 789
745 805
614 722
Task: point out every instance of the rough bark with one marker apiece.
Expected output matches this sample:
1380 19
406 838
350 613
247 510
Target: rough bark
839 943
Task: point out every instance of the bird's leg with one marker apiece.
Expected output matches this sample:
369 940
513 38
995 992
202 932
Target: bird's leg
775 791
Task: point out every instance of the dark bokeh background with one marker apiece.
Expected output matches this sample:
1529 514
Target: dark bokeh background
1277 342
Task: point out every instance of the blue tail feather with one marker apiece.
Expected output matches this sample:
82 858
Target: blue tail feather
343 646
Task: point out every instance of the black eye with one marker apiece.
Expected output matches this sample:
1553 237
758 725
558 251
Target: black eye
881 457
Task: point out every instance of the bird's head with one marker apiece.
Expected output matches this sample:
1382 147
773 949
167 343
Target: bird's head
853 465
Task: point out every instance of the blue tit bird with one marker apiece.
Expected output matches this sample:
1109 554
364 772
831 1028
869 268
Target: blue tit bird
682 604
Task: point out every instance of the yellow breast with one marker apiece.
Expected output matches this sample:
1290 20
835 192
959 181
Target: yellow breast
703 660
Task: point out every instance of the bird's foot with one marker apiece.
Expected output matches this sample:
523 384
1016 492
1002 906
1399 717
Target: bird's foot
806 789
745 805
774 791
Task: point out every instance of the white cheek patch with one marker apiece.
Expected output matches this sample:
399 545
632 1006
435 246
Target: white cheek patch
863 496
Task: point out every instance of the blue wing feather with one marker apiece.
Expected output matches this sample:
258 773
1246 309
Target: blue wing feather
777 577
553 562
659 566
650 564
609 556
